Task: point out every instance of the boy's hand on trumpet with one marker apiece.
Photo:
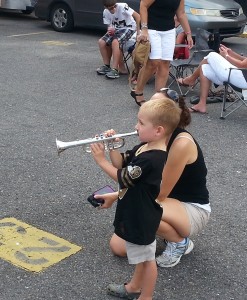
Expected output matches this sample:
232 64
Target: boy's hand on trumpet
98 152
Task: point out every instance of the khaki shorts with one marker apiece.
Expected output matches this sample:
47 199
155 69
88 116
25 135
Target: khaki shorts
139 253
198 217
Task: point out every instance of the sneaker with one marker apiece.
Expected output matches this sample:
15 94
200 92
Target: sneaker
173 253
112 74
103 70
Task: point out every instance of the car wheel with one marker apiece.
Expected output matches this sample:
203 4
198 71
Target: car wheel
62 18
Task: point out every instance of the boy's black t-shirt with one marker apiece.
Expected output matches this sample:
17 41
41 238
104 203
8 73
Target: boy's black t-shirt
138 215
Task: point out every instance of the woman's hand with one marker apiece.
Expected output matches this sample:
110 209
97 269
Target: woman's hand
190 41
143 36
109 199
224 51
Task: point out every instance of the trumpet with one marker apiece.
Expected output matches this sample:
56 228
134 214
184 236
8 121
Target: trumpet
110 142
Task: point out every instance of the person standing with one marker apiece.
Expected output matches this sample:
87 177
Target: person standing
158 26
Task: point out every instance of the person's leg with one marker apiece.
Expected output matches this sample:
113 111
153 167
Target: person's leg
145 276
191 79
167 51
121 66
175 223
205 85
144 75
116 53
162 74
105 51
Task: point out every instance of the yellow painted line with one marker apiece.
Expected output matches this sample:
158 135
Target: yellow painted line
30 248
24 34
243 35
57 43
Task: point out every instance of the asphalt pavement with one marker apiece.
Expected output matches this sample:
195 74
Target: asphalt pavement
49 89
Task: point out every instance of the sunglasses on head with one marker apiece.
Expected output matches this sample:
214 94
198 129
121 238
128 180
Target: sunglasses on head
111 7
173 95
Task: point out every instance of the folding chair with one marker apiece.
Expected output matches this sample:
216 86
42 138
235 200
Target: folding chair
239 91
184 67
127 49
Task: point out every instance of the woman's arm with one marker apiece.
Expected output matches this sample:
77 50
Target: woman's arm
233 58
232 53
144 5
137 18
182 152
182 18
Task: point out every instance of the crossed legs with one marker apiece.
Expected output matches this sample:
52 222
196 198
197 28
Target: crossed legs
205 85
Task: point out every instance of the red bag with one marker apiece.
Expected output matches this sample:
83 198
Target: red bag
182 52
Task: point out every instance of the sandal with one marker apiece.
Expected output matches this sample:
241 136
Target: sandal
119 290
134 95
181 82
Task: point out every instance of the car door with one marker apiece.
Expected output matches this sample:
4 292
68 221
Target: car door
89 13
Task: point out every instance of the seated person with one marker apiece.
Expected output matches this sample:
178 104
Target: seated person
215 68
122 22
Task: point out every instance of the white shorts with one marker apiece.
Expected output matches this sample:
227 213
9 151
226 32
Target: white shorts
162 44
140 253
217 71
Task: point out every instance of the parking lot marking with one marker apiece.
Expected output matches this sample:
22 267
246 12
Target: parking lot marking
30 248
57 43
23 34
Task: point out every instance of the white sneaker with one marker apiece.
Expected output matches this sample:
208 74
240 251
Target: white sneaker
173 253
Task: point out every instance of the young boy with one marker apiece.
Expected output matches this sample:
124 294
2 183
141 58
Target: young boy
122 22
139 173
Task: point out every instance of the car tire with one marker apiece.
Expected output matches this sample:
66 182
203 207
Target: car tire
62 18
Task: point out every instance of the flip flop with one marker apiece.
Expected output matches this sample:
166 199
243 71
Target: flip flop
193 110
182 83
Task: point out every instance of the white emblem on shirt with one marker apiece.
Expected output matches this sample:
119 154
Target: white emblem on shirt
134 172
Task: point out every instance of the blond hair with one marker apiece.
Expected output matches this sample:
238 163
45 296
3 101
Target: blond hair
163 112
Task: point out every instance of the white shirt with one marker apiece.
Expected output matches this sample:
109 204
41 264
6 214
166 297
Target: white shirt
122 18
